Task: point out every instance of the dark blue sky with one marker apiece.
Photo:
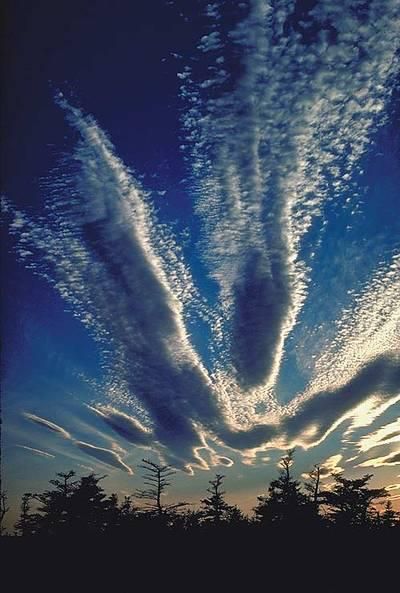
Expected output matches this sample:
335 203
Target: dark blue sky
229 263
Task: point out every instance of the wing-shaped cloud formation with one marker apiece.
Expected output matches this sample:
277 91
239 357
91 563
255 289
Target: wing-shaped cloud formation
319 414
264 146
104 455
114 269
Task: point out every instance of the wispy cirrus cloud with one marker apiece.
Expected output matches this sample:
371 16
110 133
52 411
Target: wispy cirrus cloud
315 417
48 424
385 435
385 460
104 455
107 456
126 426
37 451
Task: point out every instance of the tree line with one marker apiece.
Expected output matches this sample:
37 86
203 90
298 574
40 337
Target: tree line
81 506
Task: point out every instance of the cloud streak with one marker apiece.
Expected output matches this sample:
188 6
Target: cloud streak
48 424
106 456
124 425
386 460
37 451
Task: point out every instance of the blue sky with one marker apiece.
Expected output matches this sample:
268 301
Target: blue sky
201 258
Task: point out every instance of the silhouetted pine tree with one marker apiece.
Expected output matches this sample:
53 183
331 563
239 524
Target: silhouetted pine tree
156 477
90 511
3 510
313 485
285 504
28 522
55 505
81 507
128 513
349 503
187 521
313 489
389 518
215 510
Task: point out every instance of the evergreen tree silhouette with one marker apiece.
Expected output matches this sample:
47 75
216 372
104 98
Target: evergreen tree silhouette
313 485
187 521
215 510
285 504
90 510
55 505
3 510
76 507
128 514
313 489
389 518
157 478
28 522
349 503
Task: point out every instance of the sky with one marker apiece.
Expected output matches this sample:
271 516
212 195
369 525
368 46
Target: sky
201 256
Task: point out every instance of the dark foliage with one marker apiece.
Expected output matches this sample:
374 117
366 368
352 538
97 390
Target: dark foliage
285 504
349 502
81 507
215 510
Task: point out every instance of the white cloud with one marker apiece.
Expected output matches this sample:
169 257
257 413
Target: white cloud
47 424
386 460
104 455
301 112
37 451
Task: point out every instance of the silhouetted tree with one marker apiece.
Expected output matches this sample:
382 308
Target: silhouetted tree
55 505
81 507
128 514
156 477
313 485
214 509
313 489
28 522
188 520
389 517
72 507
3 510
89 510
349 503
285 503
